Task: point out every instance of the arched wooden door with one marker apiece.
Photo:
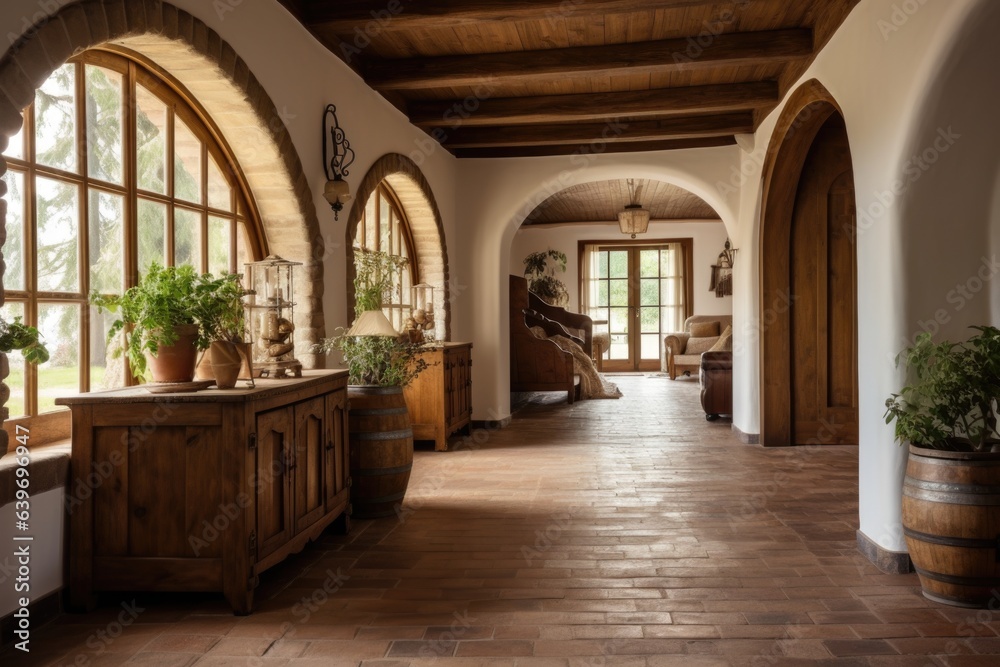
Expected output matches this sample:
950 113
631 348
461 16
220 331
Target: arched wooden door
823 280
809 349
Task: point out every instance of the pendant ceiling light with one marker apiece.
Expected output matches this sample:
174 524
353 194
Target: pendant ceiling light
634 219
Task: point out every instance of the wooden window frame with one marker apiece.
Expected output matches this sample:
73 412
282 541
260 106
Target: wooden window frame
243 217
398 215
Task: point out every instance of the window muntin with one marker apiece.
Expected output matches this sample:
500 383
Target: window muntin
384 227
93 199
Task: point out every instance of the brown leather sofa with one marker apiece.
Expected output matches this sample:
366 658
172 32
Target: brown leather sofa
716 376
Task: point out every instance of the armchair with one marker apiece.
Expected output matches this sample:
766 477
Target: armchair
682 351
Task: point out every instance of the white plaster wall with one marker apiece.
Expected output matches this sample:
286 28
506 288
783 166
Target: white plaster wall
494 197
879 67
302 77
46 550
708 239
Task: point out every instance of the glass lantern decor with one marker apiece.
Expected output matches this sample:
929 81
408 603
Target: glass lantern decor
270 317
421 317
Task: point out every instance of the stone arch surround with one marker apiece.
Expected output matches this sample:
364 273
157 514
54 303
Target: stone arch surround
211 70
426 228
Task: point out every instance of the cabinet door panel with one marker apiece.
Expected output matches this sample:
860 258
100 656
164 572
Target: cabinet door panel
111 496
203 503
274 515
337 468
169 494
310 450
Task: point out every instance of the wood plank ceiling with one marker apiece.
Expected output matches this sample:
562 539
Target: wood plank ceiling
509 78
601 201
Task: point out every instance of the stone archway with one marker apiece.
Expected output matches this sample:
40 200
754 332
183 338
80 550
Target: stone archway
808 339
239 110
426 228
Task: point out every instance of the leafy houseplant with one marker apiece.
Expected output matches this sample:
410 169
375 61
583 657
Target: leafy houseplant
951 492
17 336
542 277
383 361
223 321
170 303
219 307
951 400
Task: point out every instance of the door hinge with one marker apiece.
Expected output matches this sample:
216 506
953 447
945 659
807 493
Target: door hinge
252 441
252 544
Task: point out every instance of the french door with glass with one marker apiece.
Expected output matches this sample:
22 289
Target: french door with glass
637 294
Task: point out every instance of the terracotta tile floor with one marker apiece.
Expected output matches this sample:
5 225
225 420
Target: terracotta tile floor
626 532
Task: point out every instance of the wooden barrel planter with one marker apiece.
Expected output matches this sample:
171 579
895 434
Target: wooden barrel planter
951 519
381 441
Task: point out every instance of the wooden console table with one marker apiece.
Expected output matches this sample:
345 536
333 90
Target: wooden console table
440 399
203 491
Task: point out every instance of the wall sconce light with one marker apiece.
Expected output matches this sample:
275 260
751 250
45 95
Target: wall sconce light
634 219
722 271
337 157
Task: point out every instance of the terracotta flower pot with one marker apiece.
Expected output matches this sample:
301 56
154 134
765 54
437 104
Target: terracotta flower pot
226 363
175 363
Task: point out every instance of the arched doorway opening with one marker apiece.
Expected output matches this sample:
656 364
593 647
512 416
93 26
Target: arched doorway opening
809 349
636 290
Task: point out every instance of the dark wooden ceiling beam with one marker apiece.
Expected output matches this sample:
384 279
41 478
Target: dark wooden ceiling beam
486 70
693 127
345 15
594 106
585 149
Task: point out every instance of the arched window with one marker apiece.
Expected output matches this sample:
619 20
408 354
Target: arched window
383 227
114 168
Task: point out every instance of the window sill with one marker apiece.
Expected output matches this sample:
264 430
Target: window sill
49 469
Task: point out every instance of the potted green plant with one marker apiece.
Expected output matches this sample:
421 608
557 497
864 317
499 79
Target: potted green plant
374 360
380 363
17 336
222 319
947 413
542 276
171 314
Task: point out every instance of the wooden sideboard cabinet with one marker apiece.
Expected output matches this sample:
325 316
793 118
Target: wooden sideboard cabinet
440 399
203 491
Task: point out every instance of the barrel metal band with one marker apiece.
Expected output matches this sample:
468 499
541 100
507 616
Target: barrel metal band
986 582
951 463
383 499
377 412
382 435
952 498
951 487
375 472
963 542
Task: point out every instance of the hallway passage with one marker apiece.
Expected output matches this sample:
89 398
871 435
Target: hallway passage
627 532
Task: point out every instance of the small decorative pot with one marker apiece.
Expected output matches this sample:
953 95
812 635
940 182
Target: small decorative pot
226 363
